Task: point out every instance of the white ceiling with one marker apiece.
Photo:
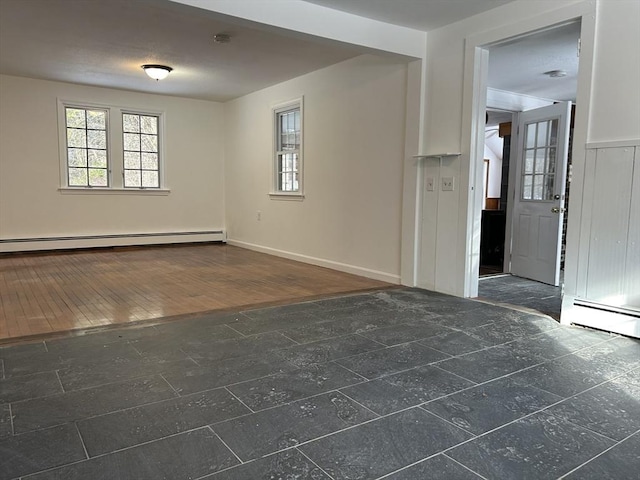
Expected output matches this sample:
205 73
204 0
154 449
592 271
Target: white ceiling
519 66
419 14
104 43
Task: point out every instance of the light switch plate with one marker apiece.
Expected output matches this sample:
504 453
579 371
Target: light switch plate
447 184
430 184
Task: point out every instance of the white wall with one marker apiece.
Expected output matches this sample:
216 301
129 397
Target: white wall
354 119
30 203
615 101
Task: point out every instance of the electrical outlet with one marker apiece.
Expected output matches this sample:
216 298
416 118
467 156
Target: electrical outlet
429 185
259 215
447 184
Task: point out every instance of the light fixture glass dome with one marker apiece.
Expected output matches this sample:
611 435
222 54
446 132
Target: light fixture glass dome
157 72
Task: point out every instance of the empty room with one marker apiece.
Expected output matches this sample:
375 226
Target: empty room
265 239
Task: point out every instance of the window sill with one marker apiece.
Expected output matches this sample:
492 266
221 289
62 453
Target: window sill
286 196
113 191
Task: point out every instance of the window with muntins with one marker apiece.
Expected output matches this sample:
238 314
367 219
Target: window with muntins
87 153
141 153
106 149
288 149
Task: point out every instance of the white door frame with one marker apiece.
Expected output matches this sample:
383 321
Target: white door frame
474 107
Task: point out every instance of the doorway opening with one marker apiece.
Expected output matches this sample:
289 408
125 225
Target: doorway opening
531 83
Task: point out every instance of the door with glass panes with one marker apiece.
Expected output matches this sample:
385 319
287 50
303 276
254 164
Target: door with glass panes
538 213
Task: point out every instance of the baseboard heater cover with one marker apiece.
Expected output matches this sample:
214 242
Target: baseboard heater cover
109 240
607 308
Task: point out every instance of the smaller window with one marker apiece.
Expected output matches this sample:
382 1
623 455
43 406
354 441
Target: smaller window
87 155
288 149
141 151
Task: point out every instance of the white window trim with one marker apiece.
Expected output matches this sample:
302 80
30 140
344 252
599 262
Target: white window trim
276 194
115 152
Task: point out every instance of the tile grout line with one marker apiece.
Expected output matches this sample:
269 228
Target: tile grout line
242 334
225 444
189 357
599 454
238 399
84 447
314 463
335 362
464 466
60 381
13 431
421 407
289 338
379 343
358 403
161 375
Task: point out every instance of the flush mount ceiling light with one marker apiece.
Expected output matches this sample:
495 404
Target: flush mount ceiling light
556 73
157 72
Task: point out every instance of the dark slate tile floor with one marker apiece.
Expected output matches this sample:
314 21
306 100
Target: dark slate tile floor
399 384
522 292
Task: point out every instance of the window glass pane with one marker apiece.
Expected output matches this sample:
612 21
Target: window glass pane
549 182
542 134
98 158
537 186
150 161
526 187
551 161
131 160
131 141
150 179
78 177
295 162
130 123
75 118
77 157
540 160
97 119
76 138
149 125
295 182
553 137
132 178
98 177
528 161
531 135
149 143
96 139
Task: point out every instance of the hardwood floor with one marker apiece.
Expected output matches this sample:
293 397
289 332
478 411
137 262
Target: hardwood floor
56 292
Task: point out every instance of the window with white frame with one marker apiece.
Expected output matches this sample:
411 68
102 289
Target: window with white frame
107 148
288 149
141 156
87 154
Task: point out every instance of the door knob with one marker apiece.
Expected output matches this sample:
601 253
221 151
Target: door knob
557 210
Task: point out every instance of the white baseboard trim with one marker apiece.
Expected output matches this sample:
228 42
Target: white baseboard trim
321 262
90 241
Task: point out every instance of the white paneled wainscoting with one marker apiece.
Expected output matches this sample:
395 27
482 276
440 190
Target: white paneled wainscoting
607 294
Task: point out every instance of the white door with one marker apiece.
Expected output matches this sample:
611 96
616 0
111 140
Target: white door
538 208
